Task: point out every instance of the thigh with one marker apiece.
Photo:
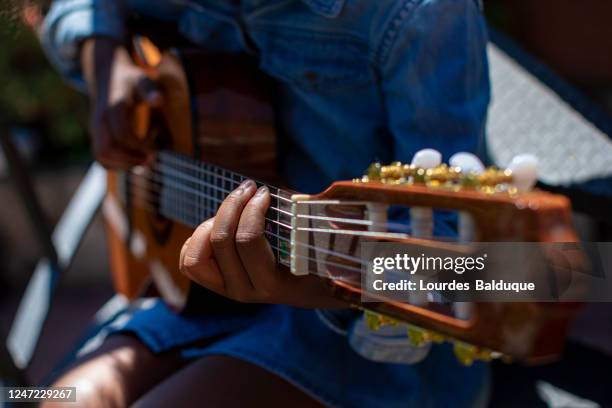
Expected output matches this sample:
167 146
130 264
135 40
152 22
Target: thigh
118 373
222 381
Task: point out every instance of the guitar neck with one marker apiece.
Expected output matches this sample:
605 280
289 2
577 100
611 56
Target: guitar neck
190 191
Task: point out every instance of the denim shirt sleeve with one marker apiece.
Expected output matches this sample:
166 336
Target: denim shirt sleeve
434 77
69 22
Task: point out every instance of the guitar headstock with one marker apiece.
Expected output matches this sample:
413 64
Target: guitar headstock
490 205
501 202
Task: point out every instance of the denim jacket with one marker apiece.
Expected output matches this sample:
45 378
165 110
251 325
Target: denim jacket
360 80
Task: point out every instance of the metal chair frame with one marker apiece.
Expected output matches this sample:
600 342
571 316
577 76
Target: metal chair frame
59 245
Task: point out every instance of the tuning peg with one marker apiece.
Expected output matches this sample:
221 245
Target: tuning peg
467 162
427 158
524 169
421 218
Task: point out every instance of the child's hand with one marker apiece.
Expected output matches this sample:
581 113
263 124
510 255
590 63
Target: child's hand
116 85
229 254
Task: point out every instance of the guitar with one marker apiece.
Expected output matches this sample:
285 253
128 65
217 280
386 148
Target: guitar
218 125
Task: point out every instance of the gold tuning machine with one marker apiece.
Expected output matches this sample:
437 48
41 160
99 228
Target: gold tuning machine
490 181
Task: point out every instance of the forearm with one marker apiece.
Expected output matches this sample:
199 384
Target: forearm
70 23
96 56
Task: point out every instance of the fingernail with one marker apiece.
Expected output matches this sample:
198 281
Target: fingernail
246 185
262 190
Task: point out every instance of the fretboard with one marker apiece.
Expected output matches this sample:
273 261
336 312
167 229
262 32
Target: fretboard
191 191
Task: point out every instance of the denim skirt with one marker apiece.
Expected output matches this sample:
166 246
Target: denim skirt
298 346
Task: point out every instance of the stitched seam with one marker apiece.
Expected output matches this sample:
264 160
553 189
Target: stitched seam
393 28
308 34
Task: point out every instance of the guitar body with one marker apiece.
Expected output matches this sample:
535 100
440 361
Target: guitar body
217 109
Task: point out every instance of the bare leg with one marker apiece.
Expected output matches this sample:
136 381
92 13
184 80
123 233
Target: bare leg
117 374
221 381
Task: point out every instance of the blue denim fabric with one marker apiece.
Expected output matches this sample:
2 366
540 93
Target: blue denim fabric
299 348
360 80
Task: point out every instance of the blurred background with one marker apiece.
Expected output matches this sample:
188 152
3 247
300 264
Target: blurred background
47 121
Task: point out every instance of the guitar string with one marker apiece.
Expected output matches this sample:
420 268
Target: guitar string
150 207
241 178
329 252
190 213
188 216
380 234
172 183
396 226
199 195
288 242
209 211
194 167
220 174
204 167
200 169
325 275
185 216
157 190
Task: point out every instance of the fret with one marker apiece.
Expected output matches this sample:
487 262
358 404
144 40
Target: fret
177 200
212 194
283 216
236 179
201 195
207 202
185 203
227 182
167 195
271 228
275 238
219 182
180 202
194 203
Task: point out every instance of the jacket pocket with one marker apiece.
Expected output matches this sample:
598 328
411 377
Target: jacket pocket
312 60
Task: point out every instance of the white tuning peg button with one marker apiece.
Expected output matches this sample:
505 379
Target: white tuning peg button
427 158
524 169
468 162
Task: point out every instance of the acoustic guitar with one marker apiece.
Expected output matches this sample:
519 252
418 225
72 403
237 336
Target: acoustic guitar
217 127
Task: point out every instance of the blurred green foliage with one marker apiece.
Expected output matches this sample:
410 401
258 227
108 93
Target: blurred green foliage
33 95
